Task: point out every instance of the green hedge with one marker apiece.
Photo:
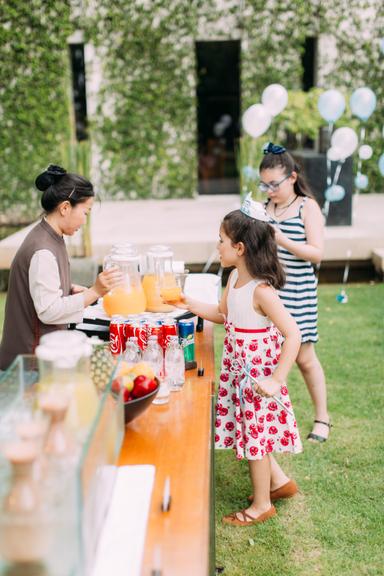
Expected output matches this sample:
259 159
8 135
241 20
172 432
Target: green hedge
33 96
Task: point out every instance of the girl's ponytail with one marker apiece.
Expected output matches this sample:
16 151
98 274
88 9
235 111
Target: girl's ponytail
301 185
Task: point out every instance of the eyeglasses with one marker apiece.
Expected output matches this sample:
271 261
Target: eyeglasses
264 187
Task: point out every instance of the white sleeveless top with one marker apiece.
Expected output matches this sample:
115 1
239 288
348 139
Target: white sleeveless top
241 312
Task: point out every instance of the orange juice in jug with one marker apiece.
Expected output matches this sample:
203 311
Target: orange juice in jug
129 297
124 301
155 302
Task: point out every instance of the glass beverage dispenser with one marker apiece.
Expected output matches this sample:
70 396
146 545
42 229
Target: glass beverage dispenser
64 364
160 282
129 298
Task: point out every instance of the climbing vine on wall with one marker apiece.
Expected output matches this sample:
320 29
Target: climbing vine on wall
146 121
33 97
145 126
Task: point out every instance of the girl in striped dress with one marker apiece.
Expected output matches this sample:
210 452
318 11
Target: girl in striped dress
299 226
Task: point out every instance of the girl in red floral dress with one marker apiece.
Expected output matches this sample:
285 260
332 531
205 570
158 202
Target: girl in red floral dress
254 415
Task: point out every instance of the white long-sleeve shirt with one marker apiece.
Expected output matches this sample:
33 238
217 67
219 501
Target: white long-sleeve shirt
44 285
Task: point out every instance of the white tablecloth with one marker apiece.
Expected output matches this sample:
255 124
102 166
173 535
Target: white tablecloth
121 545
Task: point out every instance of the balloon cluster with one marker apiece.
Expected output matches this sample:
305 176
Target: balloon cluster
344 141
258 117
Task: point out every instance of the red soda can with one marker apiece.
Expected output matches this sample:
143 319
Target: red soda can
128 329
117 335
139 330
156 329
169 329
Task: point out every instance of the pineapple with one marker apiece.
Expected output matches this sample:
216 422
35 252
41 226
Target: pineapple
102 363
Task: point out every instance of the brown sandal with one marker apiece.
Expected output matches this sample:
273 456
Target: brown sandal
287 490
248 520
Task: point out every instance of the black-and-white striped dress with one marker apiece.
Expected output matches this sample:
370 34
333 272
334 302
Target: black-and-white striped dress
299 294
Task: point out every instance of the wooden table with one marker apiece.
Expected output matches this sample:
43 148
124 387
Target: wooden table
177 439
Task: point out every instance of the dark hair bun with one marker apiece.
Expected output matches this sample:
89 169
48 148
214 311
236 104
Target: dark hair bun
51 175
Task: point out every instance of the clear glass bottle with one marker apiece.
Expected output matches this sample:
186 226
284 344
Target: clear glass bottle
132 354
129 297
159 281
153 355
174 364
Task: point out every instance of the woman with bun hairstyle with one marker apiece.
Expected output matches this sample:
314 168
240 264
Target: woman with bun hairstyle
41 297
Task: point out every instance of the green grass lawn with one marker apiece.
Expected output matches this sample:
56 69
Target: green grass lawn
334 527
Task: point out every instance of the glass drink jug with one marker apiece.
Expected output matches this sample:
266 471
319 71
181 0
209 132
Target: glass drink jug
159 281
129 298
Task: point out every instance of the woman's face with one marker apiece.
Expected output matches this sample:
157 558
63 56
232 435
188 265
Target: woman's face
279 184
74 217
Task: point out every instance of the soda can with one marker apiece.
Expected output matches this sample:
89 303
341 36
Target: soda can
128 329
156 329
187 341
139 330
117 337
169 329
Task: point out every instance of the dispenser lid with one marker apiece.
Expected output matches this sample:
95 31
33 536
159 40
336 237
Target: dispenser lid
123 255
126 247
160 251
65 347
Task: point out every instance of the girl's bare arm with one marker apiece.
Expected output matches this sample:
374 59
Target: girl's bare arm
212 312
267 300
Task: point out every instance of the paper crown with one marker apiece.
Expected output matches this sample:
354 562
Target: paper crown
254 209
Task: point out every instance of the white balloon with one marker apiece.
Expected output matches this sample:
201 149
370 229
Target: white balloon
361 181
334 153
365 152
362 103
346 140
256 120
331 105
275 98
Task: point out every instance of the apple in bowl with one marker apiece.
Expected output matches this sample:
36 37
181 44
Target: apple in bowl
138 385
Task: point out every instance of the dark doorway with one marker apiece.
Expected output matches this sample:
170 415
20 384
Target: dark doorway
218 112
308 81
79 90
309 63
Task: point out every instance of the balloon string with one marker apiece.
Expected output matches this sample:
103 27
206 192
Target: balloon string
329 177
362 134
326 210
337 172
346 269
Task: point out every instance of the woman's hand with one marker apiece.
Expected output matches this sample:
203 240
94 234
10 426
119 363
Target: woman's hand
77 289
267 386
108 280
